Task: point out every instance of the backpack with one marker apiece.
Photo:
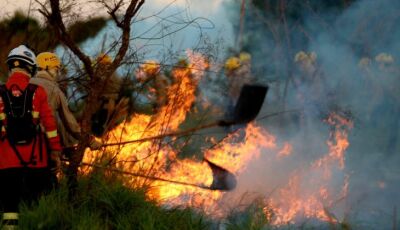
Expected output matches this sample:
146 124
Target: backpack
20 127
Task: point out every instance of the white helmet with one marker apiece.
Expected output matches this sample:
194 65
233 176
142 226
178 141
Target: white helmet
22 57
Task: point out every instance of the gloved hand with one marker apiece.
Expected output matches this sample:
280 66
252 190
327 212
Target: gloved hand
95 144
55 161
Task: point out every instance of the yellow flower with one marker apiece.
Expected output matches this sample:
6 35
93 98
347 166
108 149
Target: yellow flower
232 63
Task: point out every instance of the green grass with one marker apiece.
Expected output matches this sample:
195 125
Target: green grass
102 203
251 217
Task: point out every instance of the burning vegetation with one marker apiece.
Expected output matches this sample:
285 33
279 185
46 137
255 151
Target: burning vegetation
145 151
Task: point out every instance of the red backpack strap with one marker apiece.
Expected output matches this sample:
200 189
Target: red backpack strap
3 91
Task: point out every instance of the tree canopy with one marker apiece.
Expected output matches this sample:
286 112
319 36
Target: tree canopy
21 29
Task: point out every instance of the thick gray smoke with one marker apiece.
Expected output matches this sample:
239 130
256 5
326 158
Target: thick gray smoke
350 66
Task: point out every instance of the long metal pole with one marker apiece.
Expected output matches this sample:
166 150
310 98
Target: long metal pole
147 177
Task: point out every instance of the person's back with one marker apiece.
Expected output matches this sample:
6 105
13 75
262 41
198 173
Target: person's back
48 68
113 107
154 84
25 168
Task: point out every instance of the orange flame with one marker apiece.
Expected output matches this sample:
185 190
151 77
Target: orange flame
299 198
285 151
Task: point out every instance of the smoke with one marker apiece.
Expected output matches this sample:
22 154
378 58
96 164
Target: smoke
356 73
370 93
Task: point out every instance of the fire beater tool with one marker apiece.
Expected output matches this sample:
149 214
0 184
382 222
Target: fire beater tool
223 180
246 109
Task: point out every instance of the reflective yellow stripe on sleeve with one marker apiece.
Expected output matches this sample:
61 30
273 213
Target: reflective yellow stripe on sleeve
35 114
2 116
51 134
10 216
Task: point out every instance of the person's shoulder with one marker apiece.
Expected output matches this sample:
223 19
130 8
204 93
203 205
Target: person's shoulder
46 84
36 81
39 91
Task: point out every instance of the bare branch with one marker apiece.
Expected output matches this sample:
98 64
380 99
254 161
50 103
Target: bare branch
112 12
43 9
132 9
55 20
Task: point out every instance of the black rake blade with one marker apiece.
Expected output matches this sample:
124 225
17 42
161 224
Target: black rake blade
222 179
248 105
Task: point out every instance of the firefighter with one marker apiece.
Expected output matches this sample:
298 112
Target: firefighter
370 87
113 106
306 62
238 72
154 83
26 161
305 70
311 93
309 80
48 70
385 62
388 108
49 67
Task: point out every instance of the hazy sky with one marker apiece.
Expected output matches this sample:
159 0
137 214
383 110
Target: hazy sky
218 25
205 7
9 6
210 9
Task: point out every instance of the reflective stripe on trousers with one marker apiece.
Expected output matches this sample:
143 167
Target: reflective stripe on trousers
9 221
